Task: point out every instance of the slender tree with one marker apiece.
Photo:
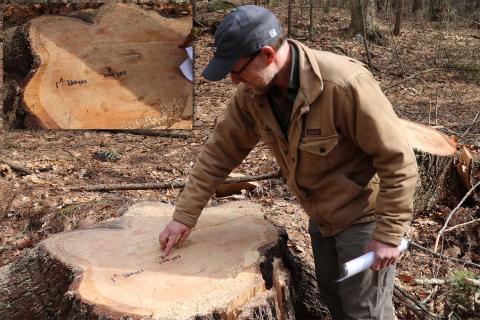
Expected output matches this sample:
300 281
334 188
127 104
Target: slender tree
418 8
289 19
310 28
326 6
398 16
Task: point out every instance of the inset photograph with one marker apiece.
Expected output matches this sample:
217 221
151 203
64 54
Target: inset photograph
98 66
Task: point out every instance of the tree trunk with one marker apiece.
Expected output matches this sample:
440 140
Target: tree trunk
310 28
289 19
398 16
96 73
326 6
439 10
381 5
229 268
362 12
434 152
418 8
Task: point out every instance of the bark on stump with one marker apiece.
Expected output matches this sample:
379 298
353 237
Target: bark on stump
468 169
120 70
229 268
434 152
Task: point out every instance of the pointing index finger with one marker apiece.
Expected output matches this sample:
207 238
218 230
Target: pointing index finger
171 241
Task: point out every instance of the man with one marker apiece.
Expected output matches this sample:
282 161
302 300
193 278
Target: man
338 143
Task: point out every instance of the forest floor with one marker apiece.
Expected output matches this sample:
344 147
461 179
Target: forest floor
34 206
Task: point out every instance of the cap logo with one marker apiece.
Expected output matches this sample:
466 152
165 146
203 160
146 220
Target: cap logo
273 33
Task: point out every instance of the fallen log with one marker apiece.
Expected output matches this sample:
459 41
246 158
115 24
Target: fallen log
154 133
229 268
16 167
118 68
171 185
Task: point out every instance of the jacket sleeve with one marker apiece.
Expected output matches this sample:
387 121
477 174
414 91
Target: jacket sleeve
375 128
234 136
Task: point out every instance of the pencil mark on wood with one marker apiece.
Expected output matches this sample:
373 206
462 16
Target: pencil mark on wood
125 275
111 73
70 82
170 259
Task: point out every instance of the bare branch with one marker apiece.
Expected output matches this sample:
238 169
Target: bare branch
451 214
462 225
470 127
409 77
166 185
441 256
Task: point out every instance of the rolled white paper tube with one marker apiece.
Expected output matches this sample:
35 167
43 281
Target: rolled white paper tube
362 263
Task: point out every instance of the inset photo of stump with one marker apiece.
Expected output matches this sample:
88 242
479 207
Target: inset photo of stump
98 66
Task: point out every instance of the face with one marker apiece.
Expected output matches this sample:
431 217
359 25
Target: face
254 72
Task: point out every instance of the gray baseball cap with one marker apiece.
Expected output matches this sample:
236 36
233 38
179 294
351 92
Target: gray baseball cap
243 31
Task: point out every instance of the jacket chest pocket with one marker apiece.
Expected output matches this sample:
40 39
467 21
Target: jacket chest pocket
315 153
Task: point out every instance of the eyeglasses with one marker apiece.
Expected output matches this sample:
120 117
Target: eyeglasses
237 73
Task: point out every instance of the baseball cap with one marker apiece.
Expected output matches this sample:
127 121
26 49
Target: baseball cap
243 31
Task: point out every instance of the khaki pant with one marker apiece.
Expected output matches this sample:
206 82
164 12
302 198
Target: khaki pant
367 295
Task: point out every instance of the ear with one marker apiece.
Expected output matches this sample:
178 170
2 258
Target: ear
268 54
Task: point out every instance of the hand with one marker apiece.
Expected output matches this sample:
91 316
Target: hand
174 232
384 254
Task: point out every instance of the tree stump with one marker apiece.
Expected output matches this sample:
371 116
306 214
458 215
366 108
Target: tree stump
229 268
120 70
434 152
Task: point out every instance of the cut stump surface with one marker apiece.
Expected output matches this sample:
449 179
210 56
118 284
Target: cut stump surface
221 269
121 71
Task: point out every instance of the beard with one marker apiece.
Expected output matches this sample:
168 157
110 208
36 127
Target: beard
263 82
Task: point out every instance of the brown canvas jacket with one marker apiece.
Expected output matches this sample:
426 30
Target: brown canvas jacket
347 159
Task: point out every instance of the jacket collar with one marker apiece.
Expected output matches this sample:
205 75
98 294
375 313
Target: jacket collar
311 84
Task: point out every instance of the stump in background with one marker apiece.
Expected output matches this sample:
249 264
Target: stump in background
434 152
227 269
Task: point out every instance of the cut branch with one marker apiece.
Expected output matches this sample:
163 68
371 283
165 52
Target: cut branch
16 167
154 133
435 281
432 281
416 310
167 185
417 303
